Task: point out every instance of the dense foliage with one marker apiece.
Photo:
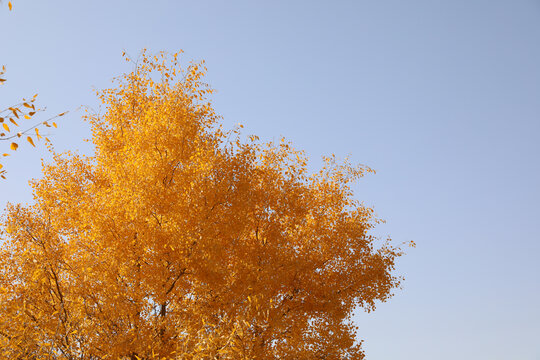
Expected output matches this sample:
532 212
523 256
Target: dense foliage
177 239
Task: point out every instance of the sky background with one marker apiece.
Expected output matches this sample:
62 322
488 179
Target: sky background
441 98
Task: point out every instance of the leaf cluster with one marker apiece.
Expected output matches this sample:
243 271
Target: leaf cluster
11 118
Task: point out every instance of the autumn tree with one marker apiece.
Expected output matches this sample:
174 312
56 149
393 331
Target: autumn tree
178 239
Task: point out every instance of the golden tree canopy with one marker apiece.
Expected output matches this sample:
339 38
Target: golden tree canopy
179 240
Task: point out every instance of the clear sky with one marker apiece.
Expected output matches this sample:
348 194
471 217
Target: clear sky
441 98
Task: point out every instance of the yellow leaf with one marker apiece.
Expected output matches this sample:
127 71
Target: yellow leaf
54 124
9 5
37 134
26 117
31 141
14 146
5 126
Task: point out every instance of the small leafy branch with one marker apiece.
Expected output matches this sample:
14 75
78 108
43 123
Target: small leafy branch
10 118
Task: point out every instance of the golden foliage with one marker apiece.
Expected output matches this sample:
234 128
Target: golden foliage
179 240
25 110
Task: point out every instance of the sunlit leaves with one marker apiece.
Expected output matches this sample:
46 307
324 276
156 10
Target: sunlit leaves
13 115
16 116
180 240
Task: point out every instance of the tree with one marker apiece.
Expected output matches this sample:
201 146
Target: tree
178 239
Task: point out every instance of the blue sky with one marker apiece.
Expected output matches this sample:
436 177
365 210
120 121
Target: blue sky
441 98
